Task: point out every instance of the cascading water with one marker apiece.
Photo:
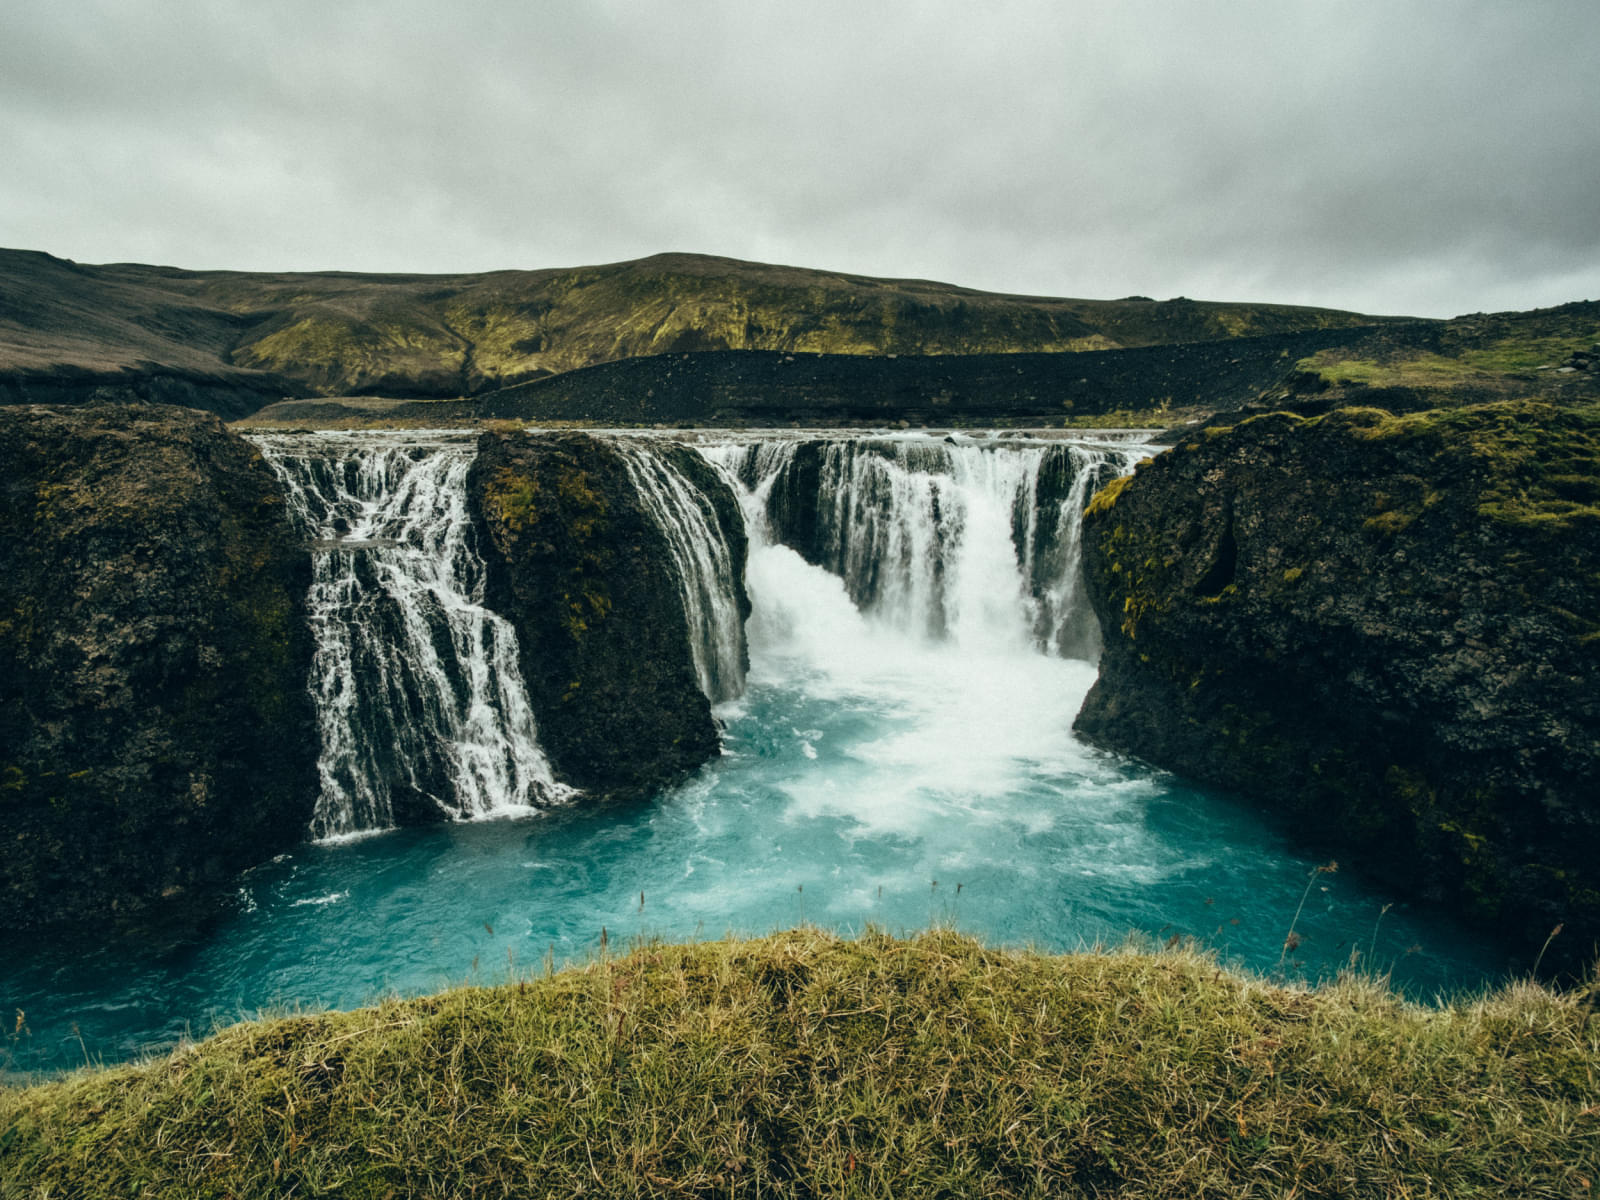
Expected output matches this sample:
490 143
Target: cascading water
754 467
702 563
1064 623
419 696
977 541
872 774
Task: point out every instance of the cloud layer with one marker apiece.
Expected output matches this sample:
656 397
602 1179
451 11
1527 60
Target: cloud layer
1422 156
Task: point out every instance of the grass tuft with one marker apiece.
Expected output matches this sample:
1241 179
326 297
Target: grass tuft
804 1065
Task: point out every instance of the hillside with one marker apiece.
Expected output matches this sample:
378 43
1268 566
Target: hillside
1551 353
67 327
1151 384
801 1065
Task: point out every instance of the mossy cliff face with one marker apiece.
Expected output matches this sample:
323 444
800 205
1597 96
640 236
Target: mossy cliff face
583 572
1388 629
156 735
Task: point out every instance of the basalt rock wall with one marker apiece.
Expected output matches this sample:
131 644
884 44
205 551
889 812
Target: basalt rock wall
1386 628
156 735
577 564
228 396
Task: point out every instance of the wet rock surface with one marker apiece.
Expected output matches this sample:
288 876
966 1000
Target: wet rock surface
1387 629
156 736
585 575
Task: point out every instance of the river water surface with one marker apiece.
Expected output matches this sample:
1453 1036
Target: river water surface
872 775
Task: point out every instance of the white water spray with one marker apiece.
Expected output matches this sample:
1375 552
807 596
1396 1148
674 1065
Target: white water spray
973 541
702 563
418 692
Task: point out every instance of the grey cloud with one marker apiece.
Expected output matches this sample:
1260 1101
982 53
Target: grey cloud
1412 155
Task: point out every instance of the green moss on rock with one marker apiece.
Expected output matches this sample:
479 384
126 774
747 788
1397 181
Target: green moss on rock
584 574
1381 624
156 727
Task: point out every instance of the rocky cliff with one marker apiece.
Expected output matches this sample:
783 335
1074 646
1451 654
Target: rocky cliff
579 566
1387 628
155 729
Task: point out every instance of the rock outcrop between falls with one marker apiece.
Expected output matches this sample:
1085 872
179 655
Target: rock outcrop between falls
1387 628
156 735
576 563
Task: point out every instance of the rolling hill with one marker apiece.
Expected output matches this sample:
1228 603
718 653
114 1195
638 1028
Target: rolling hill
232 341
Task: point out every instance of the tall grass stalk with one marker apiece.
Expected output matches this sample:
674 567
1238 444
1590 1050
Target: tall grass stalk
1291 940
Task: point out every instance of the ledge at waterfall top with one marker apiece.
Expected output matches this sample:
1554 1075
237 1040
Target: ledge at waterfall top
1386 627
155 731
621 566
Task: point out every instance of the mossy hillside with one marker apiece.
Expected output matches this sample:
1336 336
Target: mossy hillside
1144 322
1384 626
802 1065
251 335
1505 354
395 353
510 326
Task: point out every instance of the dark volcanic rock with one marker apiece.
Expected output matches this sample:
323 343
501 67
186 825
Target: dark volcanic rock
584 573
229 397
1388 628
156 735
767 387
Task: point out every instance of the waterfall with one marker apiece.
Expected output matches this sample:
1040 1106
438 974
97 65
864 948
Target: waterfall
975 541
753 468
1065 624
418 693
417 685
702 563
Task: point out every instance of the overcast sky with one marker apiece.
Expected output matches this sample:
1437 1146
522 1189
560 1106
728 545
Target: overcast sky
1418 156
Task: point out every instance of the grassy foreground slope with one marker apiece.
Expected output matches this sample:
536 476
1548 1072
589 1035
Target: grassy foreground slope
801 1065
341 333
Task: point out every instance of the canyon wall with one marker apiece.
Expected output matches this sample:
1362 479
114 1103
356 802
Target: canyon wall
156 735
1385 628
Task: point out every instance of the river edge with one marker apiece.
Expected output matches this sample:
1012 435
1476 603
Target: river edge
924 1064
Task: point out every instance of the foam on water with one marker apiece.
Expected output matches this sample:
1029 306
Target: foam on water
875 771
